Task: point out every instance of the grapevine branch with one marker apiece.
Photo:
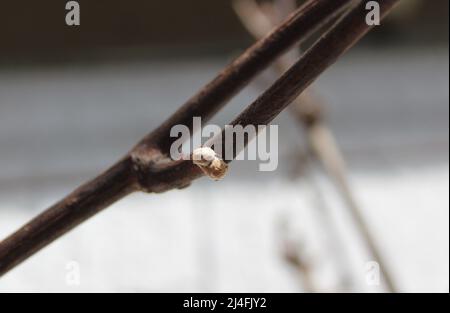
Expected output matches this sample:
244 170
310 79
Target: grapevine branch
147 167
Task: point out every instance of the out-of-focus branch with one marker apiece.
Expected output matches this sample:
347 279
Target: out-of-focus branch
308 109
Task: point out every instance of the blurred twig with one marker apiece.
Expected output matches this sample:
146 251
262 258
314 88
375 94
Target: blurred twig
148 167
308 109
295 256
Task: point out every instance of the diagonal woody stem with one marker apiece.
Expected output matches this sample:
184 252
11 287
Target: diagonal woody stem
209 100
147 168
343 35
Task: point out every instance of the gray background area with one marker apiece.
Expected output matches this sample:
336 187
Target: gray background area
63 122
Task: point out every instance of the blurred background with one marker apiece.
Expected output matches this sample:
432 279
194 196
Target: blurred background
74 99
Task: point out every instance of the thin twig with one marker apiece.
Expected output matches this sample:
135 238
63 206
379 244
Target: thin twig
148 168
325 146
344 34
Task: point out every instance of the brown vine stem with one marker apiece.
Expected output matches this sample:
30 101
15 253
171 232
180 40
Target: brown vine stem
148 168
307 108
209 100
